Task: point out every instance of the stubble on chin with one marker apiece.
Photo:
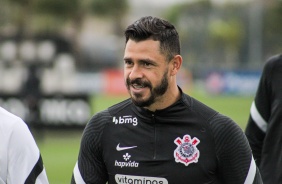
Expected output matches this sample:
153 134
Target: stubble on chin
141 101
155 93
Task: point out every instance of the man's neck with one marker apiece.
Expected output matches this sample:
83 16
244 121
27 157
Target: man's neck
169 98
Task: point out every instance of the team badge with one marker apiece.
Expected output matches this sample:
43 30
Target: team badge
186 151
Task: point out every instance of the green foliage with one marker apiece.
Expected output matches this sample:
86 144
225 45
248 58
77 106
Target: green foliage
109 7
218 35
53 15
272 28
227 33
57 7
21 2
188 10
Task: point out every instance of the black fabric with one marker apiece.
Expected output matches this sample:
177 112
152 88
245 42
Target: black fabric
127 144
37 169
266 145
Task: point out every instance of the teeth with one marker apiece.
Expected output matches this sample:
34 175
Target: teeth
138 86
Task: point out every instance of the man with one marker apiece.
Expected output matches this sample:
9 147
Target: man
265 122
161 135
20 159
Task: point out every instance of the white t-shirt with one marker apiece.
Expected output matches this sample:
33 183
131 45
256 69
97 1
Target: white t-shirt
20 159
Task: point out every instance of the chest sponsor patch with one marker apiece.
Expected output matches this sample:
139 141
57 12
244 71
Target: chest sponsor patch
123 120
186 151
127 162
130 179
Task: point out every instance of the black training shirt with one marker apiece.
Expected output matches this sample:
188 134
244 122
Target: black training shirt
187 142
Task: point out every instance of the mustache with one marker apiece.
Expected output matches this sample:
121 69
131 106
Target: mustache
138 81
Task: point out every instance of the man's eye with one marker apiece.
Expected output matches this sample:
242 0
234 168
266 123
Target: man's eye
147 64
127 62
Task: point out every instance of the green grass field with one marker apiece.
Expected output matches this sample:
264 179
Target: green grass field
59 148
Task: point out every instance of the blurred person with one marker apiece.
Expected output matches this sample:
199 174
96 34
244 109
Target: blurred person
20 159
32 94
264 126
161 135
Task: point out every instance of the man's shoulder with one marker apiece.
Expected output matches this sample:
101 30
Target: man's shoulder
273 62
272 70
119 106
108 113
199 107
12 126
7 119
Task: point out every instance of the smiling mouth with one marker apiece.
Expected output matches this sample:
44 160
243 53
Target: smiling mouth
137 86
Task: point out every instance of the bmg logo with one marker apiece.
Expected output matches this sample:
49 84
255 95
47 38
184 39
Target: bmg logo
125 120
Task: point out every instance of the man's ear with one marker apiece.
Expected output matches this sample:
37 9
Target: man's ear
176 64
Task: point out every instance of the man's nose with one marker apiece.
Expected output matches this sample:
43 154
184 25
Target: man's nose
136 72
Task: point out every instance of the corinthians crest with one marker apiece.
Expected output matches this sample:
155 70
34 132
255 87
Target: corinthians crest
186 151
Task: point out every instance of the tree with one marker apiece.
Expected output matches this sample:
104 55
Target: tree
272 28
115 10
52 15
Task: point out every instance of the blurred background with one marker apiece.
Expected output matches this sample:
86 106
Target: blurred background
61 61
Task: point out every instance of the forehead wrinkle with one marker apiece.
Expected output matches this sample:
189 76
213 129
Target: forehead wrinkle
150 44
146 50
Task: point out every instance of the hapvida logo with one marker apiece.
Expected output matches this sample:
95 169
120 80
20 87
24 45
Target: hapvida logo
125 120
127 162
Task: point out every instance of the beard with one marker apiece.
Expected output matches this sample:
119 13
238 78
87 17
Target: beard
155 92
